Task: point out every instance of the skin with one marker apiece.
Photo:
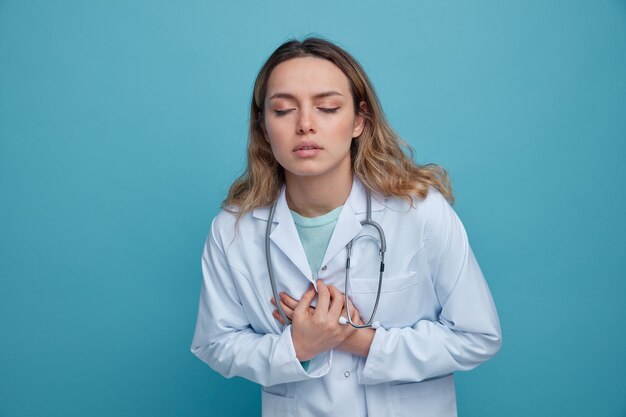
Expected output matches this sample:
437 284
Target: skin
310 122
308 101
355 341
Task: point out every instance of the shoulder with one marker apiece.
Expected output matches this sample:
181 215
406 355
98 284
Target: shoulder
432 214
434 202
223 221
227 226
429 206
441 222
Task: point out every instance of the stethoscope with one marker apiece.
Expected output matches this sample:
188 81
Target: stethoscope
382 249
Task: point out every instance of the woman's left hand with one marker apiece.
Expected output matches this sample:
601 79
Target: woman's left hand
359 340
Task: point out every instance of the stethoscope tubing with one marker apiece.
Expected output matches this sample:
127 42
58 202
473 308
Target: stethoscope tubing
382 250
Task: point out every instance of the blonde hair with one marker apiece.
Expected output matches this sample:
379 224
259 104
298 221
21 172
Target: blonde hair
380 159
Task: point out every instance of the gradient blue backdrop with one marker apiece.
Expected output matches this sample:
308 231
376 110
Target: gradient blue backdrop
122 124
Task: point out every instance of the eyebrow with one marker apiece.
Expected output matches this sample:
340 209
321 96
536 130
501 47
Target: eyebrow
292 97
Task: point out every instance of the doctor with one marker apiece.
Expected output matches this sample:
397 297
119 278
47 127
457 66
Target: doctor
319 146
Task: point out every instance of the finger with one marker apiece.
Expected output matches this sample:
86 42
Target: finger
288 300
323 298
337 304
277 316
305 301
287 310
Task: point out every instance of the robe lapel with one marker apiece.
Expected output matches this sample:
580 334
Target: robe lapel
349 222
285 236
347 228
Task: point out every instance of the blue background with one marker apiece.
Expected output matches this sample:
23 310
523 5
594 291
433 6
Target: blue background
122 124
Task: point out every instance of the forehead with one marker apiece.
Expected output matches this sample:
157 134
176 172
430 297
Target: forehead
308 75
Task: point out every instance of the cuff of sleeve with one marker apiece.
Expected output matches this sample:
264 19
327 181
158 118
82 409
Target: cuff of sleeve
375 359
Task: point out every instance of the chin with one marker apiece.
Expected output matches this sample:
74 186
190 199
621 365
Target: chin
315 169
306 173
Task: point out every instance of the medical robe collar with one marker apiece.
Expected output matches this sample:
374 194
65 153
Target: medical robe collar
285 234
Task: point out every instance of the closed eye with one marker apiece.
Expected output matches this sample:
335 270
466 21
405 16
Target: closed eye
282 112
328 109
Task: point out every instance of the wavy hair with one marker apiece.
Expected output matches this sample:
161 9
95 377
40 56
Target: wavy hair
380 159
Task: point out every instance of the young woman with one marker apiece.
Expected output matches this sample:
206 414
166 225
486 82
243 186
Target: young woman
337 275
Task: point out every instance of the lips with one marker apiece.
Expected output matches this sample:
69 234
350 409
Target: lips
306 146
307 149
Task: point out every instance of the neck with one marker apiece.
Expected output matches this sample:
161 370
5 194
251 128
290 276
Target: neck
314 196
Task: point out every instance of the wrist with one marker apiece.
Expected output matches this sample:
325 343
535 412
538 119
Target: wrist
301 352
359 342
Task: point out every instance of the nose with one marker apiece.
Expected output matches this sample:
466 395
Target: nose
305 122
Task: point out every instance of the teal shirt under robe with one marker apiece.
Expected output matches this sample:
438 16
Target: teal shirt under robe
315 233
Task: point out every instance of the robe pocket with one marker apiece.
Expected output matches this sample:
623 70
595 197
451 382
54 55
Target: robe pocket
277 405
435 397
400 299
390 284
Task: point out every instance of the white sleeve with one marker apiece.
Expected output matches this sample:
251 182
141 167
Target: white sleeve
467 331
225 340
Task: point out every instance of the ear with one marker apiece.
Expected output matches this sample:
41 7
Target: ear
359 120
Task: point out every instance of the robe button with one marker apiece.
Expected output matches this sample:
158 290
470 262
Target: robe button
324 268
346 374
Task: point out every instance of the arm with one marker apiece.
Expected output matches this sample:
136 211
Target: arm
225 340
467 331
